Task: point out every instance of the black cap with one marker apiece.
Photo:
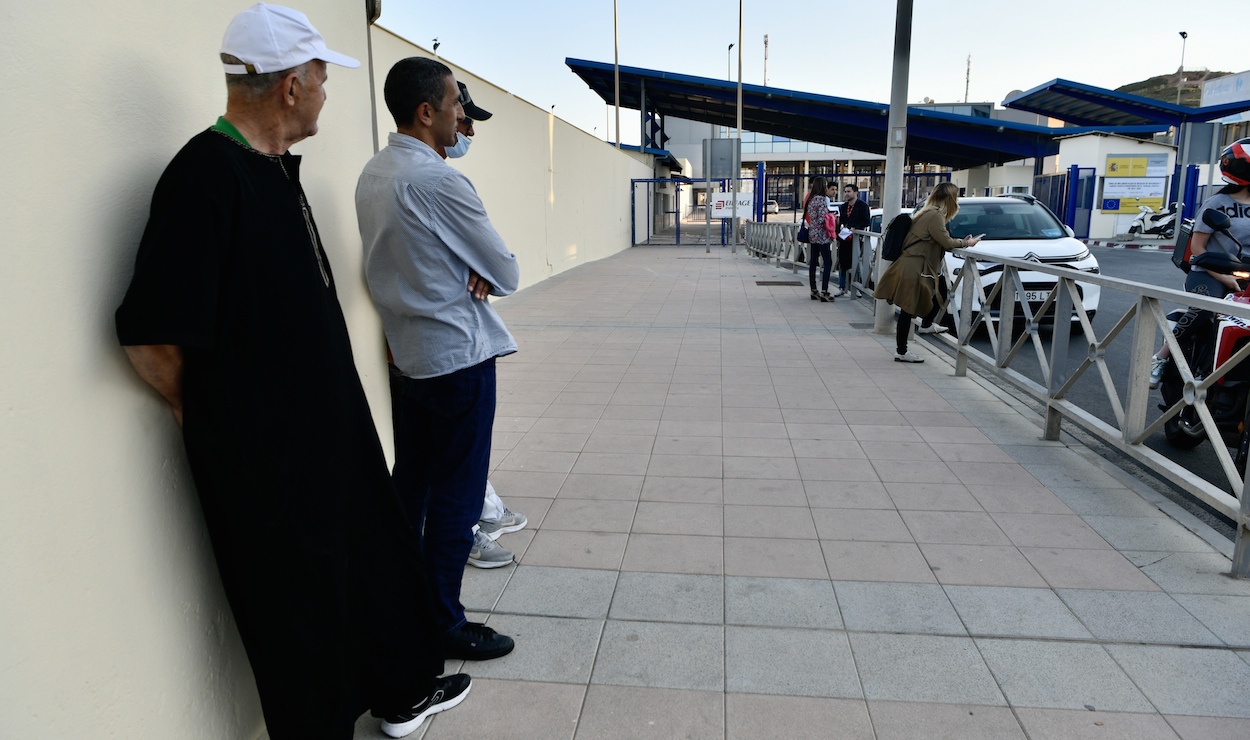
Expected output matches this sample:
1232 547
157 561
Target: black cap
471 110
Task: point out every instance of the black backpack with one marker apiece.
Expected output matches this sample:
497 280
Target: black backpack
895 235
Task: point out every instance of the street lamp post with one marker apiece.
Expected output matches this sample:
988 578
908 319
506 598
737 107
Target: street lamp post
729 75
1180 75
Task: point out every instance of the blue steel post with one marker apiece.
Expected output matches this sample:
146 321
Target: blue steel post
677 201
633 213
1191 192
1074 183
759 193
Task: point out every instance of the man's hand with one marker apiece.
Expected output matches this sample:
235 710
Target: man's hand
160 366
478 287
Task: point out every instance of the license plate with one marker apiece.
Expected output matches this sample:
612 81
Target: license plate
1036 296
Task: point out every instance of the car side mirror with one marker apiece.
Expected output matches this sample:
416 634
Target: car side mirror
1217 220
1069 231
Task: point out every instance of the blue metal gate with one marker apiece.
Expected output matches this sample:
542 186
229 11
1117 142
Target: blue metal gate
1069 195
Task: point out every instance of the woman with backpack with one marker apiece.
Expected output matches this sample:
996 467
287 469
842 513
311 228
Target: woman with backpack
911 281
815 211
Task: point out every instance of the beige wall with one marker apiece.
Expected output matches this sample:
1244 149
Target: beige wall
558 196
112 615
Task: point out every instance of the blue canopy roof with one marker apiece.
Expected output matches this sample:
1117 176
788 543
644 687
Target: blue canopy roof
1086 105
939 138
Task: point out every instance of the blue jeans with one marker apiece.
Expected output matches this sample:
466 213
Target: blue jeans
442 454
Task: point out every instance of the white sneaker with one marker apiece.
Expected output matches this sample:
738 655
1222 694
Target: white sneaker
1157 364
907 357
839 293
933 328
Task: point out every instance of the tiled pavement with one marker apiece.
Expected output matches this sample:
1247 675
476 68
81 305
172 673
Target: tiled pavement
747 521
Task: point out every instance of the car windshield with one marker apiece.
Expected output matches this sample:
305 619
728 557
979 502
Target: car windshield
1005 220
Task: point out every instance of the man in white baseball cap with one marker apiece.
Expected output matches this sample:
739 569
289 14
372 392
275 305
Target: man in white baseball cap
232 316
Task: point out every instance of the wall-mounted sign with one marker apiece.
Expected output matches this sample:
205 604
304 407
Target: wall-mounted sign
1134 180
722 205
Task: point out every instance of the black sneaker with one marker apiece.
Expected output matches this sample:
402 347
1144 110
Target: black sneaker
476 641
448 692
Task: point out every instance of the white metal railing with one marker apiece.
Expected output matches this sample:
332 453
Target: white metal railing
1144 321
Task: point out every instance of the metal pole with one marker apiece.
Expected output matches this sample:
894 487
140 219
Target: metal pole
616 52
737 171
729 75
765 60
707 192
896 145
1180 75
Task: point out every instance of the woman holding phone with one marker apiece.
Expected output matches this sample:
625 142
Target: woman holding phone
911 282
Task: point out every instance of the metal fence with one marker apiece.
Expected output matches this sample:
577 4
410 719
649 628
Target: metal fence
1015 339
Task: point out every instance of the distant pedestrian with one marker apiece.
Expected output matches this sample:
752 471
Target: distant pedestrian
912 282
815 207
852 214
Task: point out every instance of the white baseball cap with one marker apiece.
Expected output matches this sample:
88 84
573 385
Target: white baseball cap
273 38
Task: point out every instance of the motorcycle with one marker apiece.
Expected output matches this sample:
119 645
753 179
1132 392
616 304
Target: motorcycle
1148 222
1208 348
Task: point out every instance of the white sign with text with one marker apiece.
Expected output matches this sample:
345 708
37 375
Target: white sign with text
722 205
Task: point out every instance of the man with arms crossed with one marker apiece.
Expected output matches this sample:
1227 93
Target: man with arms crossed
426 239
232 316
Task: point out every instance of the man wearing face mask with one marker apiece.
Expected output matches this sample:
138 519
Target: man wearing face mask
464 129
426 235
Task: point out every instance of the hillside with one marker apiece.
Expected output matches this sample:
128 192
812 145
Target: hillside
1163 87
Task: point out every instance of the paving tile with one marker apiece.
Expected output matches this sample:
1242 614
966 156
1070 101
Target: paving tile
558 592
753 716
668 553
763 492
756 468
587 515
1158 533
923 668
1189 681
671 428
1018 499
1210 728
789 662
1049 530
1227 616
952 435
1134 616
658 517
914 608
599 487
547 649
1190 572
911 720
480 588
914 472
552 441
1097 569
639 427
631 412
824 449
612 713
671 445
1105 502
611 463
1082 724
978 565
691 413
596 550
674 656
970 452
563 425
693 466
669 597
619 443
954 528
683 490
932 497
768 521
1015 612
1060 675
899 562
847 495
1074 471
525 710
511 483
539 461
772 557
825 468
861 525
781 602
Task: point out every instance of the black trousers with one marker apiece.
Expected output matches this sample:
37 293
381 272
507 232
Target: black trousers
826 256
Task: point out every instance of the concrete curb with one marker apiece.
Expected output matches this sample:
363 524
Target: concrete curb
1155 246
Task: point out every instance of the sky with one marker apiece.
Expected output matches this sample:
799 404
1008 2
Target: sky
835 48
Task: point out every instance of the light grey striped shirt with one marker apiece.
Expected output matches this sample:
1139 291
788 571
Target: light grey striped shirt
424 228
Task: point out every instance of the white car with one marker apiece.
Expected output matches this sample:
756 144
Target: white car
770 206
1021 227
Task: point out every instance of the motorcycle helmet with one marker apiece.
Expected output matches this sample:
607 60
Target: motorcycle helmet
1235 163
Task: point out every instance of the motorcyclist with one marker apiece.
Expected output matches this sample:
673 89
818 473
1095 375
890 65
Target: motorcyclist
1234 200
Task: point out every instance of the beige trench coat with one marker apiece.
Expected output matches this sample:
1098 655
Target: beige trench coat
911 281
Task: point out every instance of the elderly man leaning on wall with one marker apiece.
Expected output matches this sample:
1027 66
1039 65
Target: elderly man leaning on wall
233 318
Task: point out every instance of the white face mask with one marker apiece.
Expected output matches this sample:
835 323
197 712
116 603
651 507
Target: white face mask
461 148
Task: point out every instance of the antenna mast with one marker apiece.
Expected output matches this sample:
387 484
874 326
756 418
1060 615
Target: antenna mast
765 60
968 78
